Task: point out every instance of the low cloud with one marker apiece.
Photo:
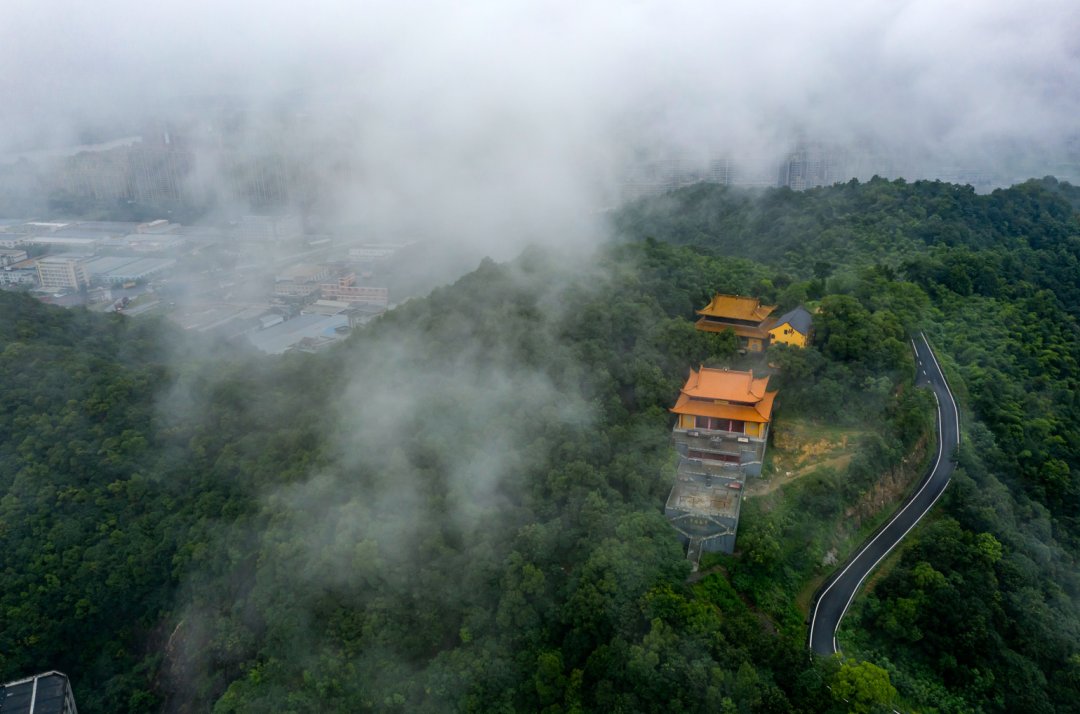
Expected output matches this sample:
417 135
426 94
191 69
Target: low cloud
495 124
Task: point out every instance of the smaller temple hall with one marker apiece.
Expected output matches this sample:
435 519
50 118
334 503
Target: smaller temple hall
745 316
752 324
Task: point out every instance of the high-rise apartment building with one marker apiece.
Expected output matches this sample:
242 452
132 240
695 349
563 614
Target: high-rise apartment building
812 164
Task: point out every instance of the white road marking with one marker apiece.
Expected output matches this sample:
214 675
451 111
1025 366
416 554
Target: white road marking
948 389
904 535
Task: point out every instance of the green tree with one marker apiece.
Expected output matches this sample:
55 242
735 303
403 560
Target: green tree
863 687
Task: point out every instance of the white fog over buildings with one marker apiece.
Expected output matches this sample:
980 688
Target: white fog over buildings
229 158
259 279
186 165
811 163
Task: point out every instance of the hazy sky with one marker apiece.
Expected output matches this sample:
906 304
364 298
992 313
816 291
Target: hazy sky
689 68
499 101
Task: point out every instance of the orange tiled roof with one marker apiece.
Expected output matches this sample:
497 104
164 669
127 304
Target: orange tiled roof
725 384
760 413
736 307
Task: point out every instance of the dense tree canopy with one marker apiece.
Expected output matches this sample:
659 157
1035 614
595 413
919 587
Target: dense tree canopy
461 507
965 621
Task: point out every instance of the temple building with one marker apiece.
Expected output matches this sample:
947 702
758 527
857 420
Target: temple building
750 321
722 425
792 328
745 316
724 415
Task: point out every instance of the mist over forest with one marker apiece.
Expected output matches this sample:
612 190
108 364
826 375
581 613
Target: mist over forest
359 398
496 126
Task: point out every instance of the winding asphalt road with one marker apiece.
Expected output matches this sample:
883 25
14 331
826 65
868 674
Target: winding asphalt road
832 602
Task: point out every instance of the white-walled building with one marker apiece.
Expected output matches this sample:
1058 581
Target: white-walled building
67 272
10 256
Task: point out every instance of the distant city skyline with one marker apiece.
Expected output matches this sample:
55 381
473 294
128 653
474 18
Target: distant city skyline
195 164
495 126
811 163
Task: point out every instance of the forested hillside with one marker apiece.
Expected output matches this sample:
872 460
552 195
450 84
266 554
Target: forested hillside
460 509
982 611
945 236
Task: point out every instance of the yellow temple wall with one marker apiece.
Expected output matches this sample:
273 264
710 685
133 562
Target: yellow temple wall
795 337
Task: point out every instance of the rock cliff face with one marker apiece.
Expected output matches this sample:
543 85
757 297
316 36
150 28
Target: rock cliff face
890 488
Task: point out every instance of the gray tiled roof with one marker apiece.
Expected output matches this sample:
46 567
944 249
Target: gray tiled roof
798 318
